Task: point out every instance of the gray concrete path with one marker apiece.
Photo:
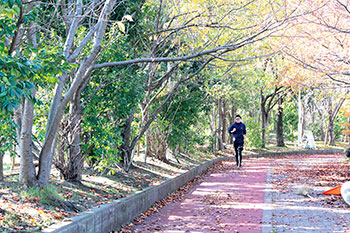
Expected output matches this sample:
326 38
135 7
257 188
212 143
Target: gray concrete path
290 212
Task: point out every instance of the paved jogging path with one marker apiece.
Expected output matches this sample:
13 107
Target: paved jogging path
261 197
227 200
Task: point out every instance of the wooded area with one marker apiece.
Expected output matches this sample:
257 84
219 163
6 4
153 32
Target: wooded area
99 82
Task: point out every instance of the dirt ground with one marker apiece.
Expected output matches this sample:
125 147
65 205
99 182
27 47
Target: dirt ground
21 212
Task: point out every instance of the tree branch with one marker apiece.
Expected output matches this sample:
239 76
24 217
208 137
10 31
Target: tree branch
73 29
18 25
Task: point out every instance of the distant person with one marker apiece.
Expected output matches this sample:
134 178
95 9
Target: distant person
238 132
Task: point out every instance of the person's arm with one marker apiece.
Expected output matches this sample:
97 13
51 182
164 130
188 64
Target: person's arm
244 133
231 129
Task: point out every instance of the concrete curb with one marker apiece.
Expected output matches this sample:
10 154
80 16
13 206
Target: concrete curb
109 217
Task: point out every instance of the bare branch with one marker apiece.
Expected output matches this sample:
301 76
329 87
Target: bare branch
84 42
316 69
73 29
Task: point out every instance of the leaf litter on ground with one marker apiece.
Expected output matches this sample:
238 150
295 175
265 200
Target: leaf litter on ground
21 211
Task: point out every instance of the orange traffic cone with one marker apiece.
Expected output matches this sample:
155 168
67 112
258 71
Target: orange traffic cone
333 191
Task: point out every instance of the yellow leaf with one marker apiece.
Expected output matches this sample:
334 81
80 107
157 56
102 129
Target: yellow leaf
121 26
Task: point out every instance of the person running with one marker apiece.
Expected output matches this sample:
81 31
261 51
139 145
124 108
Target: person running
238 132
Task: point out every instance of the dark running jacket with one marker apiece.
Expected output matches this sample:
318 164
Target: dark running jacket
238 134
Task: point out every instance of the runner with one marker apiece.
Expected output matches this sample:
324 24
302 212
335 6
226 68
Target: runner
238 131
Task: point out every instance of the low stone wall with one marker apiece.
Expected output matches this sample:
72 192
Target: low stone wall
111 216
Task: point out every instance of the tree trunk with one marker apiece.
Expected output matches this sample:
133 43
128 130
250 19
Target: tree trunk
18 120
27 170
321 116
332 116
75 156
326 136
331 133
159 143
138 148
219 129
148 152
263 119
279 133
13 160
1 165
264 116
224 122
126 148
148 146
233 114
322 130
72 167
263 129
213 128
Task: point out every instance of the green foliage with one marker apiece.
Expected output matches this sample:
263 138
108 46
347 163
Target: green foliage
14 71
338 128
23 70
13 83
8 137
181 116
253 132
105 113
19 71
290 119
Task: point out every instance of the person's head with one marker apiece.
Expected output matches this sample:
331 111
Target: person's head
238 119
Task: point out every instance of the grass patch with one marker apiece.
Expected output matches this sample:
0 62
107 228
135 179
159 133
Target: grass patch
47 195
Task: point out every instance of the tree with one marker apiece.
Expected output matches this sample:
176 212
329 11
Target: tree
332 114
71 156
192 23
72 51
319 41
80 32
279 128
107 109
181 115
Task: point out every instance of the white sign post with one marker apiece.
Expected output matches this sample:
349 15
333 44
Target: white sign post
310 141
300 126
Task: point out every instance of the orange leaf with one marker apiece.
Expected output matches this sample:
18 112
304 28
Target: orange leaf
57 216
